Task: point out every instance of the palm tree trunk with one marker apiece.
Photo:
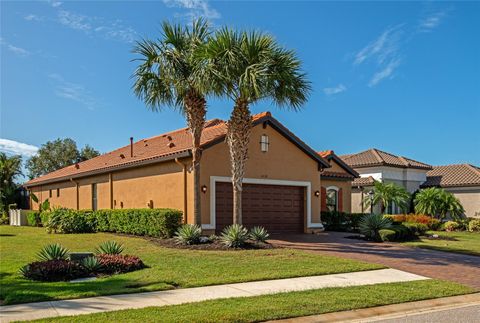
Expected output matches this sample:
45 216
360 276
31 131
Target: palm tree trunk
196 109
239 128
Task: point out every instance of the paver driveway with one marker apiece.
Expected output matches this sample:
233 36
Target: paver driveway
464 269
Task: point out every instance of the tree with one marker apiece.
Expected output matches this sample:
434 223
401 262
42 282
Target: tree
57 154
10 168
171 74
249 67
435 201
386 194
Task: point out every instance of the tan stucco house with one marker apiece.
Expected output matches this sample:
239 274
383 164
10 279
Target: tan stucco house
462 180
281 188
336 182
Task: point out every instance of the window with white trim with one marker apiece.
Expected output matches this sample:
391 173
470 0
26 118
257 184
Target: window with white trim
332 199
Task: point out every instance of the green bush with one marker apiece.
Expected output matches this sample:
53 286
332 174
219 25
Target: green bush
188 234
372 223
34 219
402 233
63 220
234 236
387 235
474 225
341 221
416 229
451 226
44 217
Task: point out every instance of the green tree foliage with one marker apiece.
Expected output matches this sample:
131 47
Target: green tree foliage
57 154
435 201
384 194
10 169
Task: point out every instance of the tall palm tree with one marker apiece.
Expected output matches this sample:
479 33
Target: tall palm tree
248 67
170 74
386 194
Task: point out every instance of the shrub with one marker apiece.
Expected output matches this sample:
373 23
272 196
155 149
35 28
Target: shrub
341 221
372 223
53 270
33 219
234 236
415 228
53 252
188 234
396 218
44 217
451 226
109 248
4 219
387 235
91 265
474 225
116 264
402 233
63 220
259 234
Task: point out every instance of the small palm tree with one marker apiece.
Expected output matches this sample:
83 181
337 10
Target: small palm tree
450 205
170 74
386 194
248 67
436 201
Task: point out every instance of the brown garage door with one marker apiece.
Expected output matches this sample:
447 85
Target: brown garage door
279 209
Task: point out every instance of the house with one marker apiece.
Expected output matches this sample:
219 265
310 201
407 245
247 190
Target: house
336 182
281 188
376 165
462 180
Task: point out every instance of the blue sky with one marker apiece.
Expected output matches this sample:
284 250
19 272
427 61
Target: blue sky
403 77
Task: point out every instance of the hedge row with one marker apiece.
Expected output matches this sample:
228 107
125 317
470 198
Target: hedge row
341 221
144 222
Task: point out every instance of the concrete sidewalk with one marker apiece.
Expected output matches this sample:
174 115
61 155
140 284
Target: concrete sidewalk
32 311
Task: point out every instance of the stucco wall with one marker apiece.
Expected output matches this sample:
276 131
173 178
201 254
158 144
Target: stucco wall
470 199
283 161
346 187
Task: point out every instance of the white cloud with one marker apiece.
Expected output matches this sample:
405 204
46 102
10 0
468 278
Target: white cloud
335 90
431 21
32 17
55 3
12 147
386 72
14 49
72 91
194 8
74 21
382 47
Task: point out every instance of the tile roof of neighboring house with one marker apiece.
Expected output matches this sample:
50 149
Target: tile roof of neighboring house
329 155
174 144
375 157
363 181
453 176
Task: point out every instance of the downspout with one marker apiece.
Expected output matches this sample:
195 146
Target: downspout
76 185
185 200
110 182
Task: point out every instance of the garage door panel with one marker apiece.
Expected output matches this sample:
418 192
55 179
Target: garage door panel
277 208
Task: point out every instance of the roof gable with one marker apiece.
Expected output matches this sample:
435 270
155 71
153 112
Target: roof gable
333 158
375 157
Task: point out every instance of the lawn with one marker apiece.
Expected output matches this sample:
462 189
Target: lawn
285 305
461 242
168 268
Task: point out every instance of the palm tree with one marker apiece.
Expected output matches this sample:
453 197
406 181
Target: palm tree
248 67
450 205
170 74
436 201
387 193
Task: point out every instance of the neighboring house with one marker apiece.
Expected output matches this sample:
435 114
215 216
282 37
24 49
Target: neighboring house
463 180
281 188
336 182
374 164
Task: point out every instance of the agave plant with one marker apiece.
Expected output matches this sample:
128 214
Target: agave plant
259 234
370 224
109 248
234 236
53 252
91 264
188 234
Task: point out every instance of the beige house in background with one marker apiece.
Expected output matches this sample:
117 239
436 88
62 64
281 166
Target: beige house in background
281 188
376 165
462 180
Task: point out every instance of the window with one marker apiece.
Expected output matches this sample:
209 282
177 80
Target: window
94 197
50 193
332 198
264 143
58 192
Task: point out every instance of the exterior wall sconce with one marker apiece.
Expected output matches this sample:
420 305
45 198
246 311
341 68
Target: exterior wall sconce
317 193
204 189
264 143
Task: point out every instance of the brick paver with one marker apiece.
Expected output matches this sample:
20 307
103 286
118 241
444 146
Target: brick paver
464 269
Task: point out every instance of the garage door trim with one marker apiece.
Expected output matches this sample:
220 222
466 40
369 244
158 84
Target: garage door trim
215 179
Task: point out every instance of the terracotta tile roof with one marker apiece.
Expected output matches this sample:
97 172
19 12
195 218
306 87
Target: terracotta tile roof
363 181
173 144
453 176
330 155
375 157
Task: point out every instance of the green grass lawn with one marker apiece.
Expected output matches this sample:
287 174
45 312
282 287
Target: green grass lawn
462 242
168 268
285 305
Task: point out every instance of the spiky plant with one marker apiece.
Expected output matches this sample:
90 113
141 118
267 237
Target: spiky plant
53 252
188 234
259 234
109 248
371 224
234 236
91 264
248 67
386 194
